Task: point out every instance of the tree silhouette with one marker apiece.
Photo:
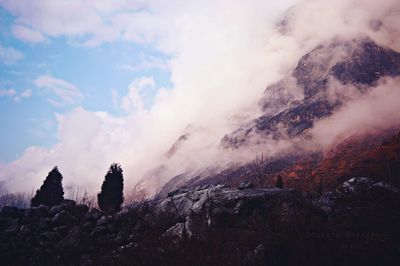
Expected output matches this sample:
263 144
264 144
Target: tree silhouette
279 182
51 192
111 195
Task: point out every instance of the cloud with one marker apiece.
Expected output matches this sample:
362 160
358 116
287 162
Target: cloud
138 92
147 63
15 95
26 93
8 92
82 20
372 112
27 35
9 55
66 93
222 57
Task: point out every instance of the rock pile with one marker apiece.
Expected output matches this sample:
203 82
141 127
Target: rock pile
213 225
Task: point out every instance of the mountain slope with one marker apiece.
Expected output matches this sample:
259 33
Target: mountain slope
357 63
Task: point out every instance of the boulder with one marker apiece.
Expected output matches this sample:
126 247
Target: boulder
50 236
12 212
12 229
44 223
63 229
87 226
196 226
81 209
99 231
40 211
24 232
68 204
175 232
93 215
63 218
56 209
245 185
76 241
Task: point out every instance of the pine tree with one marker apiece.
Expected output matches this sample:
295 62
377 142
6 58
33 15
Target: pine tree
51 192
111 195
279 182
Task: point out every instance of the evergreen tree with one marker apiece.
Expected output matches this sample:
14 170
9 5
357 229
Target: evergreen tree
51 192
279 182
111 195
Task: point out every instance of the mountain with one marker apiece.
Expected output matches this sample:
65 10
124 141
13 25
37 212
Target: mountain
339 205
288 116
360 63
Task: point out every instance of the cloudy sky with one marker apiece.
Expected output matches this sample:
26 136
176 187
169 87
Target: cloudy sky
57 55
87 83
84 83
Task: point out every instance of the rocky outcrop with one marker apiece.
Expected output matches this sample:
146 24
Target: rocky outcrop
214 225
360 63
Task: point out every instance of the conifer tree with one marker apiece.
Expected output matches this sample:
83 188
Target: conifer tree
279 182
111 195
51 192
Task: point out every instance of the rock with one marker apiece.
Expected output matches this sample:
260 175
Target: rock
44 222
245 226
355 186
41 210
384 187
63 229
55 209
86 260
81 209
256 256
5 222
12 229
76 240
111 228
63 218
50 236
13 212
87 226
196 226
176 232
98 231
102 221
93 215
68 204
24 232
245 185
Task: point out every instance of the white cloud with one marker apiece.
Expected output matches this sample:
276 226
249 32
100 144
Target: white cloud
7 92
147 63
75 19
15 95
372 112
138 91
9 55
66 93
27 35
26 93
223 55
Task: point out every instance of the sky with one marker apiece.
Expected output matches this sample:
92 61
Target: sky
71 72
84 84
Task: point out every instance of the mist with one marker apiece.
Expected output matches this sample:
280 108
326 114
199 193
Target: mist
223 56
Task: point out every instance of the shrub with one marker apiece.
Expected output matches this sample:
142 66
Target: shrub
51 192
111 195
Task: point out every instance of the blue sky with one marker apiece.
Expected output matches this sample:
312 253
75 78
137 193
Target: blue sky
93 70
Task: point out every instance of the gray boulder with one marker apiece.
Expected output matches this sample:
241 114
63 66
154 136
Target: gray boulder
63 218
